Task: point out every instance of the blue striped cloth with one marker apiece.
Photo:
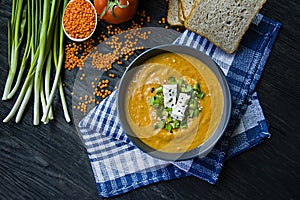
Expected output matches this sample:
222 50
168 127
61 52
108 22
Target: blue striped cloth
119 166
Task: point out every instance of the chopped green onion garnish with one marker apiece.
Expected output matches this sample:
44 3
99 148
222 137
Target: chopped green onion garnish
159 98
194 94
162 123
160 114
165 113
156 101
200 95
159 89
180 82
184 126
155 126
196 102
168 109
188 88
192 106
196 87
156 106
191 113
168 127
175 124
172 80
183 123
196 113
152 100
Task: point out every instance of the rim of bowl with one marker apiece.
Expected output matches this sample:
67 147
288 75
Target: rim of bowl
204 148
80 39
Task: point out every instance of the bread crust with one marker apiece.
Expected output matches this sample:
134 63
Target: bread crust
186 11
180 13
173 13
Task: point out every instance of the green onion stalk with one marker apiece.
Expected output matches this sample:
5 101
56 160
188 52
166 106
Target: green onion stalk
47 82
16 29
45 91
26 54
27 88
57 80
39 67
59 65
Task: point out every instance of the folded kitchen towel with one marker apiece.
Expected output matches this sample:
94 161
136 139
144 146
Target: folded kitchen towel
119 166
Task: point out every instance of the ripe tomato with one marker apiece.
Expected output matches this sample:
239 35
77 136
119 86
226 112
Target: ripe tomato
100 6
116 11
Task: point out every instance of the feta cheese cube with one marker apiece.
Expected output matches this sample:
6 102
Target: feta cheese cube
183 99
170 95
178 112
179 109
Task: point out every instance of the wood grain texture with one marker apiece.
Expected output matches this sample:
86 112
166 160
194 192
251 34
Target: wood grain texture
50 162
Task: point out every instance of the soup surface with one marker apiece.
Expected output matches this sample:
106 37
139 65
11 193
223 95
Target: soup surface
155 73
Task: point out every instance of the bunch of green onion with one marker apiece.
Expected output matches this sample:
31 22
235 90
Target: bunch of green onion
44 48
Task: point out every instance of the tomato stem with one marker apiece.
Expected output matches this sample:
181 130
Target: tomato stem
111 4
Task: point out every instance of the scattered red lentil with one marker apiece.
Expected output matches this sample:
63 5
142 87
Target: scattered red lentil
111 75
76 53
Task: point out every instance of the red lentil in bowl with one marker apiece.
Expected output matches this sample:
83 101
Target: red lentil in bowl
79 20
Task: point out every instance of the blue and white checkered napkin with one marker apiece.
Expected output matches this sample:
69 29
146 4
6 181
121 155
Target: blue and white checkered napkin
119 166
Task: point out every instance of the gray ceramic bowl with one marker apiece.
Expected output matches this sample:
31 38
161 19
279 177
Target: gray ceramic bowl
205 147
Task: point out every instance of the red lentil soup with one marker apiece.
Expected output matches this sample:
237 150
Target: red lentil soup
153 73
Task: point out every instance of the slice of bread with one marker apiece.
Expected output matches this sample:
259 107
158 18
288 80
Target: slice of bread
180 12
223 22
173 13
187 6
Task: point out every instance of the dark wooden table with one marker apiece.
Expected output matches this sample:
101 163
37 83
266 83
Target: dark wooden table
50 162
